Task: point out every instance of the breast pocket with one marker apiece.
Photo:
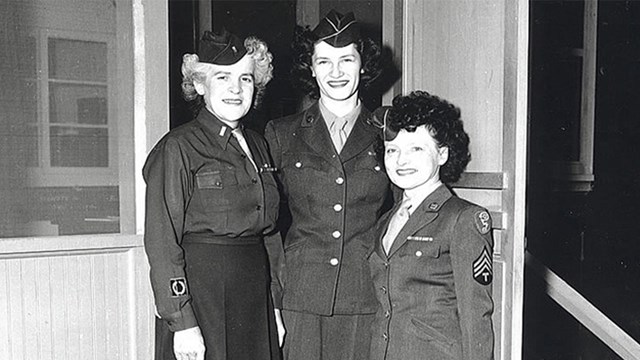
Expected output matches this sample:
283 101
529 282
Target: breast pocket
302 172
215 189
420 250
367 176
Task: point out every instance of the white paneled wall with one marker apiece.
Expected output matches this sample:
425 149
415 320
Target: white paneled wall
78 303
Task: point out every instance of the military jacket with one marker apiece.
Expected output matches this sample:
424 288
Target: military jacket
334 201
201 183
434 286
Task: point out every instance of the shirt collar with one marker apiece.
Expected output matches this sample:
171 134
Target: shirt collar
330 117
418 195
220 131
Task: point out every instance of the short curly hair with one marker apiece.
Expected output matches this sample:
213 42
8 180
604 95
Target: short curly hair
303 47
443 121
195 71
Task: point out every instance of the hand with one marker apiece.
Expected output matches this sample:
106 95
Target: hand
188 344
280 325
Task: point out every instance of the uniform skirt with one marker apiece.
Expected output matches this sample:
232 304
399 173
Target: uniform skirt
231 300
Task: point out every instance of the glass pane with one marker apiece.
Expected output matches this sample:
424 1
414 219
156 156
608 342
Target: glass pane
86 210
56 174
556 79
77 60
77 104
79 147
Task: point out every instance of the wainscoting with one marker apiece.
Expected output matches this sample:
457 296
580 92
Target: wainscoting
80 297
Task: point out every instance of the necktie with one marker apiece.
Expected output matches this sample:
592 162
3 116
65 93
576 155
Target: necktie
237 133
396 224
338 133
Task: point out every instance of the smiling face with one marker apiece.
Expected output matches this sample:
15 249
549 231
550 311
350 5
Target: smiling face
228 90
337 71
413 159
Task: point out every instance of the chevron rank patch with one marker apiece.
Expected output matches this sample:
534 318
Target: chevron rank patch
483 268
178 287
483 222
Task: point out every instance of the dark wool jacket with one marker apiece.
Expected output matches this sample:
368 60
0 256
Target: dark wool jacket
334 201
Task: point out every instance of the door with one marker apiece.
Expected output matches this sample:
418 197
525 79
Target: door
474 54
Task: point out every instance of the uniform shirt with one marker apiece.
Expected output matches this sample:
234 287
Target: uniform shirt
350 118
200 182
434 286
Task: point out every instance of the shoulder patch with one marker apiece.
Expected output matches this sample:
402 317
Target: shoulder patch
483 221
178 287
483 268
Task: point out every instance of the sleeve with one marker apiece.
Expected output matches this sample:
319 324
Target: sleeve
472 262
275 252
273 242
166 176
273 143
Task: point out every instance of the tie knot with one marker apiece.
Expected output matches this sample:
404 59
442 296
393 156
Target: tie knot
405 206
338 124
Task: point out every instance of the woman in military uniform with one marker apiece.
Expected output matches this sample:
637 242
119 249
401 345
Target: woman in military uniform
211 208
335 189
432 264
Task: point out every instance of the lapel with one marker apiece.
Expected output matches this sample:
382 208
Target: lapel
383 224
361 136
314 133
425 214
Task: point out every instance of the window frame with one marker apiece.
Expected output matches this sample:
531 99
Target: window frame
45 175
579 175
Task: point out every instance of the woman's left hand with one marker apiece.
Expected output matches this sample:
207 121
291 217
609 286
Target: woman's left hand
280 325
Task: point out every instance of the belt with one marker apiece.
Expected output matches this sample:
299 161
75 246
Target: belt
203 238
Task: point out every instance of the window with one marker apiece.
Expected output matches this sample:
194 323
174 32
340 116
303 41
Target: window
61 146
563 74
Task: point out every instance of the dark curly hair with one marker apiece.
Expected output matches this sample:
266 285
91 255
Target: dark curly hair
303 47
444 123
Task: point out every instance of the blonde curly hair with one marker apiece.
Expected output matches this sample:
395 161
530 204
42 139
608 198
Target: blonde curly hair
195 71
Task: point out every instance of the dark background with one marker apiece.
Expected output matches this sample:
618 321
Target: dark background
590 239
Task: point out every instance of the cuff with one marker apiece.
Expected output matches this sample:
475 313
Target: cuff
182 320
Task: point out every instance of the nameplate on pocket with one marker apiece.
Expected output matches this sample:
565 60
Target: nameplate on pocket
266 169
420 238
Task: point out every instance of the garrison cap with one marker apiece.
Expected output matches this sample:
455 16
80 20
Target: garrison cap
338 30
380 119
222 48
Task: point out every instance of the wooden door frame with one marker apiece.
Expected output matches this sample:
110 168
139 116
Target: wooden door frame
514 152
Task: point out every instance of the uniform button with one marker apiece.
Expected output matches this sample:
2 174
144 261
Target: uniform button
337 207
387 314
218 183
258 207
418 253
383 289
298 164
255 181
385 337
386 264
340 181
336 234
333 261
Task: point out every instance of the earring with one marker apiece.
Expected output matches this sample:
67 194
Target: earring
361 71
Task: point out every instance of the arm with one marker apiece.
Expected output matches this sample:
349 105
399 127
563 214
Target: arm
167 190
273 242
471 257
